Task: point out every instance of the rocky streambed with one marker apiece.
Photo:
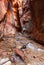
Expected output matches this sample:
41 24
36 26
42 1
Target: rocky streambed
19 50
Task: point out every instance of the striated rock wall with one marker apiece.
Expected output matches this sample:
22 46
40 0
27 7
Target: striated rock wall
22 15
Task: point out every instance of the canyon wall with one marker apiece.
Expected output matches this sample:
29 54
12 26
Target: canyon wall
22 15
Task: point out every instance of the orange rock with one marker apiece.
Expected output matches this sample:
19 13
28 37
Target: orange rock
20 53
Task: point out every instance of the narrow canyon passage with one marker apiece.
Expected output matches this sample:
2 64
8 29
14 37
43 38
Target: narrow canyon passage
21 32
27 51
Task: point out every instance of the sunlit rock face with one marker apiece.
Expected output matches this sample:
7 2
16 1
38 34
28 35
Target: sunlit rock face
3 11
38 19
3 8
9 15
10 24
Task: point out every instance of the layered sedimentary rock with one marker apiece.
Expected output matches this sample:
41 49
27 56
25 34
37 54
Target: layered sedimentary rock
25 15
10 17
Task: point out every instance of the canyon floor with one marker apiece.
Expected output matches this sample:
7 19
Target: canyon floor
33 52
